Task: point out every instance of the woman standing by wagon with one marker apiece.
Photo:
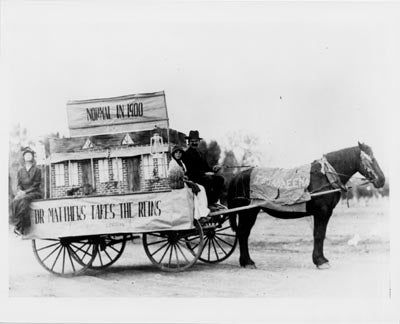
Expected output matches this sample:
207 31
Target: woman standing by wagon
28 188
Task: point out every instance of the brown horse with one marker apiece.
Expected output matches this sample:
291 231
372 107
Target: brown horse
346 163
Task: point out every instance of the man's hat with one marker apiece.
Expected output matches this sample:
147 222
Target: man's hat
194 134
177 148
27 149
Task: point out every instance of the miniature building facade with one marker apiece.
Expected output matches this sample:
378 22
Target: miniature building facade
110 164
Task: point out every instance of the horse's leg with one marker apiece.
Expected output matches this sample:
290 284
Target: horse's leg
246 222
321 220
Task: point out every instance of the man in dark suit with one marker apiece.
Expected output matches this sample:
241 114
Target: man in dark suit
200 172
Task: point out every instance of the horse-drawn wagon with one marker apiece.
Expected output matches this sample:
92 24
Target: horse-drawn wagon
108 183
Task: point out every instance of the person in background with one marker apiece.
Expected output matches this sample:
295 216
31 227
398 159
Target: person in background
177 168
29 179
200 172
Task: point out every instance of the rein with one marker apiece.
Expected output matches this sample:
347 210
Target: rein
367 181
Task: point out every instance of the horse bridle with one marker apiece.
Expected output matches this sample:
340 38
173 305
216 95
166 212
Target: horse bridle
366 161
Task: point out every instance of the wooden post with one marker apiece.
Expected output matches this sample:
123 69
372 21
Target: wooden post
93 178
233 210
324 192
50 185
165 159
45 180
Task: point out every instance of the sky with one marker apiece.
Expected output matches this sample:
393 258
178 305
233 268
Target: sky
305 78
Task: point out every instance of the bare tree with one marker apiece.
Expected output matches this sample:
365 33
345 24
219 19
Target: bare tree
245 146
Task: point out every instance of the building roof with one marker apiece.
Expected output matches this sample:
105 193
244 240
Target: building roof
113 141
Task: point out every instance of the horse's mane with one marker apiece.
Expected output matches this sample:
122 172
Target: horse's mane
344 157
349 151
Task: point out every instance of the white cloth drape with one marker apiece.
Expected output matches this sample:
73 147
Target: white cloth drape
200 200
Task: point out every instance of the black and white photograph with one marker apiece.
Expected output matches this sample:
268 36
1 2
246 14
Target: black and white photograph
200 161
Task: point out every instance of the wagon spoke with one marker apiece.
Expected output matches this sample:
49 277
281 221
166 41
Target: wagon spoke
215 250
101 261
80 249
51 252
207 240
159 249
180 250
70 258
84 244
196 245
170 254
87 253
194 238
59 252
111 247
230 235
165 252
157 242
105 251
47 246
209 249
63 261
231 245
176 255
222 229
220 247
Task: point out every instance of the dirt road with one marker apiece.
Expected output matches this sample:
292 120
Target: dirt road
357 246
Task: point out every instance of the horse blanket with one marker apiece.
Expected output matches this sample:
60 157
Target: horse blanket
281 189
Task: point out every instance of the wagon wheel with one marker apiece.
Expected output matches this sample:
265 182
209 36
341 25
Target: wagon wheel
66 257
169 250
110 248
219 240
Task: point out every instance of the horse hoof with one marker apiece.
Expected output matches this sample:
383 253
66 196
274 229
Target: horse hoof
324 266
250 266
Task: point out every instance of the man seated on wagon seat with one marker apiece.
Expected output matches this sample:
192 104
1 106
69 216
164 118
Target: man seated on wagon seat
200 172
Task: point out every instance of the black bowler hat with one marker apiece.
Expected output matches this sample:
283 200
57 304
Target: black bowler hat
194 134
27 149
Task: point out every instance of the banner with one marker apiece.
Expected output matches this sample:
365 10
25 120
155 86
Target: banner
281 186
131 213
117 115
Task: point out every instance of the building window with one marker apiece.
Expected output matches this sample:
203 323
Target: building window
73 174
162 166
147 161
117 169
59 173
103 170
155 166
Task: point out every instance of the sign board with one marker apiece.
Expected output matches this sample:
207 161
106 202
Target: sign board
117 115
130 213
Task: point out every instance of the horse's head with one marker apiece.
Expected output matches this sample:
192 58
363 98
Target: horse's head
369 167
